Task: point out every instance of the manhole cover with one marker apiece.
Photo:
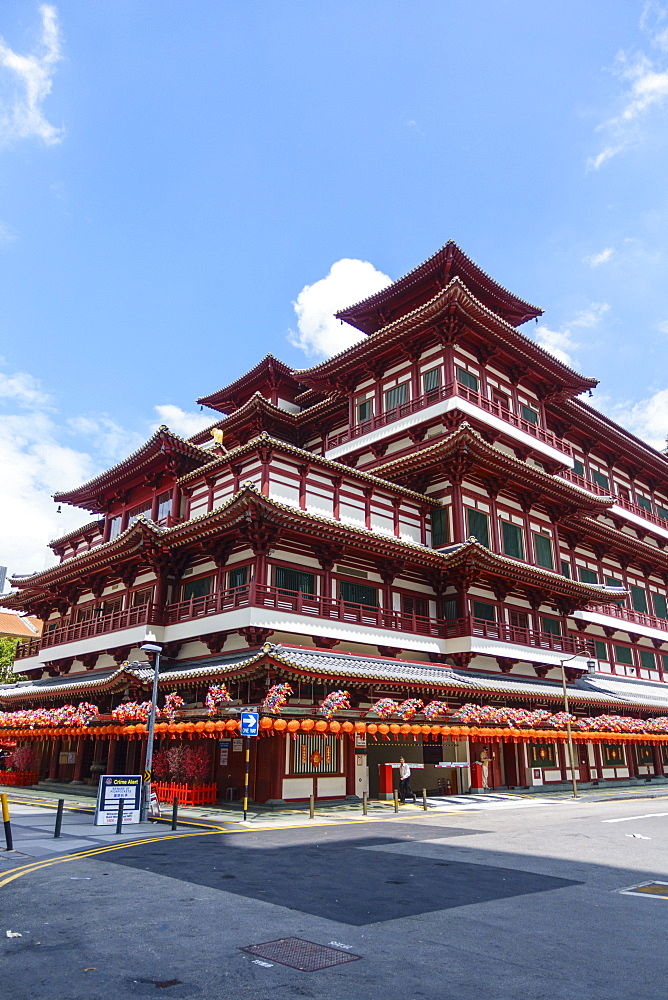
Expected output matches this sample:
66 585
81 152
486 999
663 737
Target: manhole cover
299 954
657 889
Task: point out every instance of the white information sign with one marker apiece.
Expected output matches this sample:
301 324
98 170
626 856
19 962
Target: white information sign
110 790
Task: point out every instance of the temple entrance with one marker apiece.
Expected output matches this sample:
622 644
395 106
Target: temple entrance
582 757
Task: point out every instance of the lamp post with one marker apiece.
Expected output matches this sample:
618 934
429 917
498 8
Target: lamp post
150 647
571 751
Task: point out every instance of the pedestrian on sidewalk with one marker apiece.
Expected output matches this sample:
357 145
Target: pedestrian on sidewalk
405 781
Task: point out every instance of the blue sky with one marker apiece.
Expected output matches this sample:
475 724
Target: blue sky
174 175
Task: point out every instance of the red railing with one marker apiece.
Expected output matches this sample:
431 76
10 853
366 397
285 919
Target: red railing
143 615
446 392
629 615
522 636
585 484
635 508
306 605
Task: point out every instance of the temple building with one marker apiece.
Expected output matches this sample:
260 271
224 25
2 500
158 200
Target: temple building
417 535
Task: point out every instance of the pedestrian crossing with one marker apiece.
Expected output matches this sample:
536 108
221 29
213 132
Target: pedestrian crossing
478 801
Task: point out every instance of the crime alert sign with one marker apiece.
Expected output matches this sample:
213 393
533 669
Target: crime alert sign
110 790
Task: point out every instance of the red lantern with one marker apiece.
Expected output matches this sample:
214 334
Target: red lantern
335 727
293 725
280 725
307 725
321 726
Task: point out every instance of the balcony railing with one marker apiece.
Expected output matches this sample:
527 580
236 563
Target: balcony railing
304 605
521 636
585 484
635 508
631 616
145 614
436 396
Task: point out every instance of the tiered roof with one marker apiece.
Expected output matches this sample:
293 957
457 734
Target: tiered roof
426 280
456 300
267 375
162 452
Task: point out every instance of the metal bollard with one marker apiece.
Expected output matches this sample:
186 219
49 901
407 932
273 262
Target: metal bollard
7 822
396 801
365 803
119 818
59 818
424 799
311 806
175 811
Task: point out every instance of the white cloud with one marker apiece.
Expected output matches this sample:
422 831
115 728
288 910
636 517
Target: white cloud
27 83
663 327
645 87
319 333
180 421
596 259
646 418
560 343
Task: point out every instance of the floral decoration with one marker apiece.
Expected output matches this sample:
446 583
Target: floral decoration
173 702
276 698
409 708
385 707
435 709
216 696
336 701
131 711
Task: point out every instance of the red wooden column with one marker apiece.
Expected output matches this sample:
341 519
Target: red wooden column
658 762
598 761
78 764
111 756
53 765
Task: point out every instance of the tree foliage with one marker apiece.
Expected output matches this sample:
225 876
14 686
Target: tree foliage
7 654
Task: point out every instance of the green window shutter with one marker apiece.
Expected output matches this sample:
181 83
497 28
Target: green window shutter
660 606
197 588
238 577
624 655
529 414
395 397
578 467
468 379
487 612
644 503
439 527
600 479
358 593
565 569
449 609
543 549
587 575
664 660
662 512
513 543
638 598
647 659
478 525
610 581
601 650
431 379
294 580
550 625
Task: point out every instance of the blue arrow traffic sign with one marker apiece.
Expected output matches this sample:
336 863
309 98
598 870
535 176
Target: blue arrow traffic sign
250 723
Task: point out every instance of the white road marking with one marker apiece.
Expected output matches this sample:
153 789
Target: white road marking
629 819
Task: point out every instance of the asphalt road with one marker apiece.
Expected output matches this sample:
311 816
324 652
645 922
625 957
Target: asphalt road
523 902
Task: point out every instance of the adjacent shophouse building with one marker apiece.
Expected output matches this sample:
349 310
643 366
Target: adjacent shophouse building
434 522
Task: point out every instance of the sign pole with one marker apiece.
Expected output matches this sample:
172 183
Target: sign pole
250 726
246 776
148 775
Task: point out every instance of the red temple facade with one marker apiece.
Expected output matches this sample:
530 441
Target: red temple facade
432 516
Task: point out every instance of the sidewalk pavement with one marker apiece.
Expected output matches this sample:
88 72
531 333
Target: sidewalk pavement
223 816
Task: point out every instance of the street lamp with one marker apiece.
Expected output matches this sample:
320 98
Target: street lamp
571 752
156 649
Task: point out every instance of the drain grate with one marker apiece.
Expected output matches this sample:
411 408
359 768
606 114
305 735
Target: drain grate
300 954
